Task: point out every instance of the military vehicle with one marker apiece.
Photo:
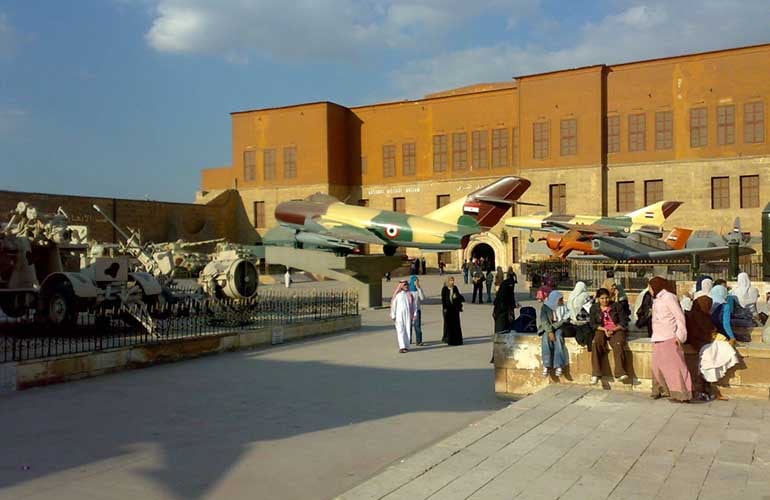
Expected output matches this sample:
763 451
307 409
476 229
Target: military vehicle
230 275
38 272
187 263
323 220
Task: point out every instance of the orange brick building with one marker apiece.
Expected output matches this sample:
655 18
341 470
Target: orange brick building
601 139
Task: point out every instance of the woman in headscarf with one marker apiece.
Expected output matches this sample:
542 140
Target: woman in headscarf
746 294
609 321
617 294
504 304
418 296
703 286
643 310
578 314
670 376
452 304
700 332
402 313
553 316
726 313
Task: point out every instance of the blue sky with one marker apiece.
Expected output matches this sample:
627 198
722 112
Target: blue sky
131 98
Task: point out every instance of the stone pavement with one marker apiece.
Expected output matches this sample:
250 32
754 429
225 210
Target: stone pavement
568 442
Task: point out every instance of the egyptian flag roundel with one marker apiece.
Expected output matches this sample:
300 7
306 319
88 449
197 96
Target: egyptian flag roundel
391 231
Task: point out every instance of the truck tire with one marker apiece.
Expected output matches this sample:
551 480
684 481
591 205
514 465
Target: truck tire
61 306
13 304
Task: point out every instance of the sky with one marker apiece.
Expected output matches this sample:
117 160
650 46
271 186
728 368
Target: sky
131 98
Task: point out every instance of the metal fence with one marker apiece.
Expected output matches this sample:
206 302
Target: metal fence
27 338
633 276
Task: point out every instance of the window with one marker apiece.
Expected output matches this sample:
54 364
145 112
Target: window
399 205
558 198
637 125
442 200
749 191
664 130
625 196
268 158
389 160
698 127
479 147
653 191
460 151
289 163
259 214
515 249
409 159
754 122
440 153
540 132
363 165
568 137
613 134
499 147
363 202
249 166
726 124
515 160
720 192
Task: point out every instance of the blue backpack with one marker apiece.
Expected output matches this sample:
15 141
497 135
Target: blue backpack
527 321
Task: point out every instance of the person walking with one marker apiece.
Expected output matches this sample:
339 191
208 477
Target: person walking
670 376
489 281
477 277
287 278
465 271
418 296
554 315
609 322
452 304
423 266
402 313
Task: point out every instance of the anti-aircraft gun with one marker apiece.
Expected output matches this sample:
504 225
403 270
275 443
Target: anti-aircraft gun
231 273
187 263
36 274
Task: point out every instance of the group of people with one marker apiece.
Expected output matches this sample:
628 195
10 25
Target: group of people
406 312
601 324
418 266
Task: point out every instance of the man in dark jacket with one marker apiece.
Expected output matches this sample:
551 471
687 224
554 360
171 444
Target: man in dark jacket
478 284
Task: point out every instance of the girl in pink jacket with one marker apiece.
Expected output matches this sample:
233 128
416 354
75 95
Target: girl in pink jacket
670 376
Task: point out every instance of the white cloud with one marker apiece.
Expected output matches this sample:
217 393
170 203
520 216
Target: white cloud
8 38
306 29
637 31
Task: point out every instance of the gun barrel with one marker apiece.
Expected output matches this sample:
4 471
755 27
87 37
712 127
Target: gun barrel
112 223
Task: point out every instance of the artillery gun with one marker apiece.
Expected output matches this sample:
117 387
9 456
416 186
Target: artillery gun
187 263
231 273
37 273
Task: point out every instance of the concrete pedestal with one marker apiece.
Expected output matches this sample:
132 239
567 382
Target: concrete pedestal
362 272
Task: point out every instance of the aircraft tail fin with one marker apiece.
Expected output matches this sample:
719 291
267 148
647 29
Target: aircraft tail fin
677 238
483 207
655 214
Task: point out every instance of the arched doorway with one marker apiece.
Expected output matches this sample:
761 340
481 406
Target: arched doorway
485 252
488 245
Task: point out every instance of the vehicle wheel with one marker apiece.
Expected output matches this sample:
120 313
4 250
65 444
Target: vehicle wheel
61 306
389 250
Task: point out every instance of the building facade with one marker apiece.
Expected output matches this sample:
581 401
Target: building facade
604 139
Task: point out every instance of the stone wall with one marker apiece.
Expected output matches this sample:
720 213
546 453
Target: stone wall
27 374
518 367
158 221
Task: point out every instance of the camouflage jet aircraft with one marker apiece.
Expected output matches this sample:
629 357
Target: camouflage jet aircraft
324 221
648 220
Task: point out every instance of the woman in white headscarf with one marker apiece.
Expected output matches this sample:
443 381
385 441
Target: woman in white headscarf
746 294
706 284
577 299
554 315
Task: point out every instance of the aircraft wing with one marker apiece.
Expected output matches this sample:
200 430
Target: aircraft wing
342 231
583 229
721 252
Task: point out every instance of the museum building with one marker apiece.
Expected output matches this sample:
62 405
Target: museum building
603 139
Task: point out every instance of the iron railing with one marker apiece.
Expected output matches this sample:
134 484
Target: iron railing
26 338
633 276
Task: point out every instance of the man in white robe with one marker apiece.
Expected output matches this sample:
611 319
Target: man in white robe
402 312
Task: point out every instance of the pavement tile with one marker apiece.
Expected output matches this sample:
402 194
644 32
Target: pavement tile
735 452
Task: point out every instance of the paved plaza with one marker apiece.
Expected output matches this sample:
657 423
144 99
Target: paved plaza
349 416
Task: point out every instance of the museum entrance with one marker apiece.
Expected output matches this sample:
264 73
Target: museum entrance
485 251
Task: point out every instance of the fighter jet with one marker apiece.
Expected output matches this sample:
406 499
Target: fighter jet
324 221
648 220
562 245
640 247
